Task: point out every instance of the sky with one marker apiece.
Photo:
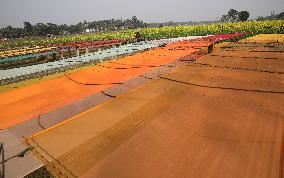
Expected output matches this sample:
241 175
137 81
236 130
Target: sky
15 12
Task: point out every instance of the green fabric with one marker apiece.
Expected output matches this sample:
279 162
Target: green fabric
11 59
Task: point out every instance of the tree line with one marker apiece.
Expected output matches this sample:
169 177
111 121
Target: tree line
272 16
234 16
49 29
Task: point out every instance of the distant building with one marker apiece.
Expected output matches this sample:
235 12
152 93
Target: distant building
49 35
90 30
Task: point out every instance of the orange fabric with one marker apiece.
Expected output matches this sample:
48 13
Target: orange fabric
22 104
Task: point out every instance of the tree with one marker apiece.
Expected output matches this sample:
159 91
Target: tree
260 18
243 16
74 29
134 19
281 15
224 18
233 15
135 23
28 28
40 29
53 29
10 32
63 29
273 16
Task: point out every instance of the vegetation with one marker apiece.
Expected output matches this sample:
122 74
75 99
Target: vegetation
272 16
243 16
251 27
234 16
41 29
42 172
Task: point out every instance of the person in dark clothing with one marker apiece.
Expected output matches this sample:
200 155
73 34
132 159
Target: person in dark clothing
138 37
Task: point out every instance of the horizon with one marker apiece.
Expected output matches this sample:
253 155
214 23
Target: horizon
15 12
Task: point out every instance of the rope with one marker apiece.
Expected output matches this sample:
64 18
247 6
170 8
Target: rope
38 121
149 78
132 67
236 68
135 65
114 83
245 57
222 88
270 51
112 96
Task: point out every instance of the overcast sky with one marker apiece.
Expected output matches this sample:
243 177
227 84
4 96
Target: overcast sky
14 12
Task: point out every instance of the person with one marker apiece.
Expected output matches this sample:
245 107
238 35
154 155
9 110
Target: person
138 37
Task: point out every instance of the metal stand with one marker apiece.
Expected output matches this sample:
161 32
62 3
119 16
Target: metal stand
2 172
3 160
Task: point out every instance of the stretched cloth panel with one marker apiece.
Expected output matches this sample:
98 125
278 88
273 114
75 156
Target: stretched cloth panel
192 122
40 98
266 38
96 78
26 51
18 58
97 56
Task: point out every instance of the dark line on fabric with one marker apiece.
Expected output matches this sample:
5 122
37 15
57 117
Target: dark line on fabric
222 88
236 68
39 123
114 83
149 78
112 96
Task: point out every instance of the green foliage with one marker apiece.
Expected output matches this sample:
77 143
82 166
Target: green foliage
28 28
273 16
10 32
251 27
42 29
234 16
243 16
41 172
224 18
